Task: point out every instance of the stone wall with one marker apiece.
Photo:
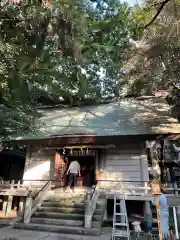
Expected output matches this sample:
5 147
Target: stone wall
39 164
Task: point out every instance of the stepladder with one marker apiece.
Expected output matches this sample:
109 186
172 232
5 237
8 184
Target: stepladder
120 219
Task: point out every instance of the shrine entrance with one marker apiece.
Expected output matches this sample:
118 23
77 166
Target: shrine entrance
87 164
87 161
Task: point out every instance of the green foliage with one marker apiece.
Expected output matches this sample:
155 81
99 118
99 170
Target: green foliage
154 65
20 50
72 53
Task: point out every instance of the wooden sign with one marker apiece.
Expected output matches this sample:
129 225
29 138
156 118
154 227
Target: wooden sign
155 187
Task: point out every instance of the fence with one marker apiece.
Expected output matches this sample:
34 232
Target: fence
13 194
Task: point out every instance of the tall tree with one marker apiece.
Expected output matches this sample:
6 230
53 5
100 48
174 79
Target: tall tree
69 50
154 63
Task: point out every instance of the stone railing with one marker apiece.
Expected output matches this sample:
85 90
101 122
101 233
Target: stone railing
90 206
32 203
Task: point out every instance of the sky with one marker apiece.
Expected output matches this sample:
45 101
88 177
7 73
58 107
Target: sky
132 2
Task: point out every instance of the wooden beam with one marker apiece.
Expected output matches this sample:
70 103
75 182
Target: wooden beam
132 198
14 193
84 147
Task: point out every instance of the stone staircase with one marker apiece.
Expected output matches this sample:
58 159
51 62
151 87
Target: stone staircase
64 213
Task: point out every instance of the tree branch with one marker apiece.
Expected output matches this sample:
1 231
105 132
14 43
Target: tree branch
158 12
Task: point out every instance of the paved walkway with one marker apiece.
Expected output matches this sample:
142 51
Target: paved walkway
9 233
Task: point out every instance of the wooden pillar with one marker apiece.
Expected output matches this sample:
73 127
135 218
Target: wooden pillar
144 168
170 184
9 205
105 212
97 166
60 168
52 169
123 218
27 160
21 207
28 209
148 214
5 204
100 165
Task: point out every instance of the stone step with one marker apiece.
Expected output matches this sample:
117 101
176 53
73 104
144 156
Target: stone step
72 216
59 198
56 221
58 229
61 210
66 194
61 203
69 204
77 190
67 209
62 222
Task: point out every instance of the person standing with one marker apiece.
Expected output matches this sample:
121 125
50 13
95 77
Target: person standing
74 171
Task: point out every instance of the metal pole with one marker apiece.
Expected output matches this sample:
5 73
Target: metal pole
175 222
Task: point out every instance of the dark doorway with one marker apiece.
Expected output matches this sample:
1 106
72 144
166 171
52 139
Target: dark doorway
12 164
88 168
